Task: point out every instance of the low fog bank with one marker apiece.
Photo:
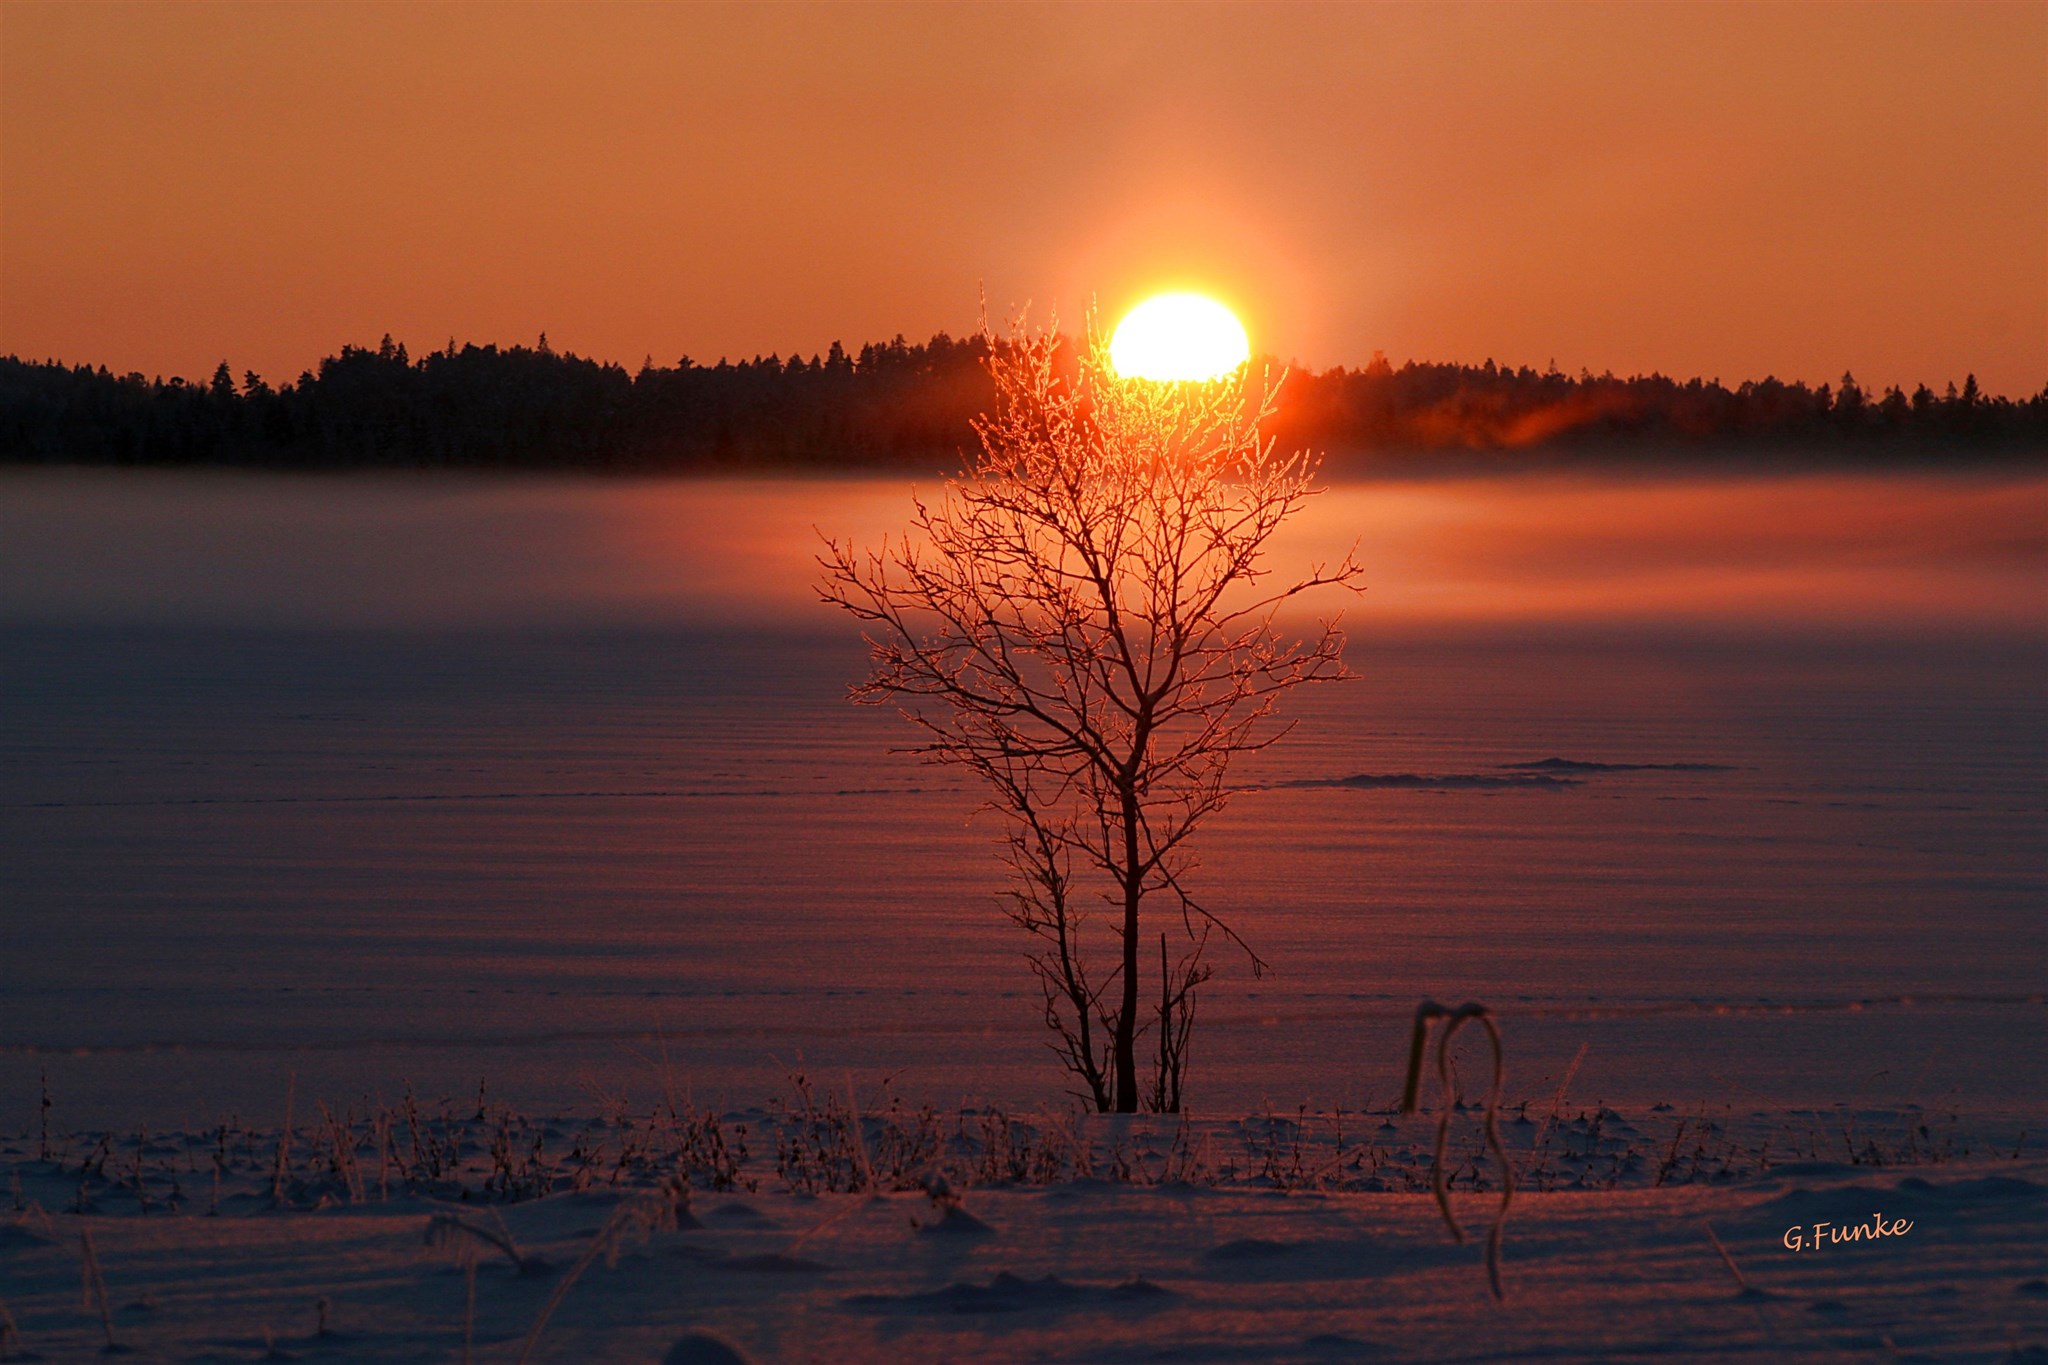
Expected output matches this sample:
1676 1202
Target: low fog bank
1896 550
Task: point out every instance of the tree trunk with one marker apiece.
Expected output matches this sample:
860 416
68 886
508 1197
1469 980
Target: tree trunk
1127 1016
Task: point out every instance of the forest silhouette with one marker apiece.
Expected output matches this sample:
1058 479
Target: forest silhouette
899 405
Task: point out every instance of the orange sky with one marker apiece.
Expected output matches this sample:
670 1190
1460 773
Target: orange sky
1725 190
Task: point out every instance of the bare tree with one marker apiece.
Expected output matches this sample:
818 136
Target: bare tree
1083 619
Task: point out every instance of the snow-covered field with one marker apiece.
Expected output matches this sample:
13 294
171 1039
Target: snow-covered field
415 1236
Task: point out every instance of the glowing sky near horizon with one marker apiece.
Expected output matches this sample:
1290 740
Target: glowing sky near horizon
1715 190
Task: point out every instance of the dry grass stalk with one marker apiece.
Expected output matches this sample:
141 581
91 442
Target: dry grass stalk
342 1163
449 1229
1426 1014
281 1171
1536 1146
93 1289
1741 1285
638 1217
468 1304
859 1139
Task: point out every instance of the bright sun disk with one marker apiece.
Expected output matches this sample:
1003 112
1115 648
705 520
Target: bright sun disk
1179 337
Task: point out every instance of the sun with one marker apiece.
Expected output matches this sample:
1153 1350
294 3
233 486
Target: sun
1179 337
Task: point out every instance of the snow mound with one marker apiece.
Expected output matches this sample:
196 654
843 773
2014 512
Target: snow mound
15 1237
702 1348
1261 1258
954 1221
1008 1293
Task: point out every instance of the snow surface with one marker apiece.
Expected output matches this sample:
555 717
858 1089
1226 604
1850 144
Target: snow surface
1240 1241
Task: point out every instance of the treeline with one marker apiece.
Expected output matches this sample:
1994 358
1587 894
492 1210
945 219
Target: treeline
905 405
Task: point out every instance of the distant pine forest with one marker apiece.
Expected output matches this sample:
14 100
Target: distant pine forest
900 405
